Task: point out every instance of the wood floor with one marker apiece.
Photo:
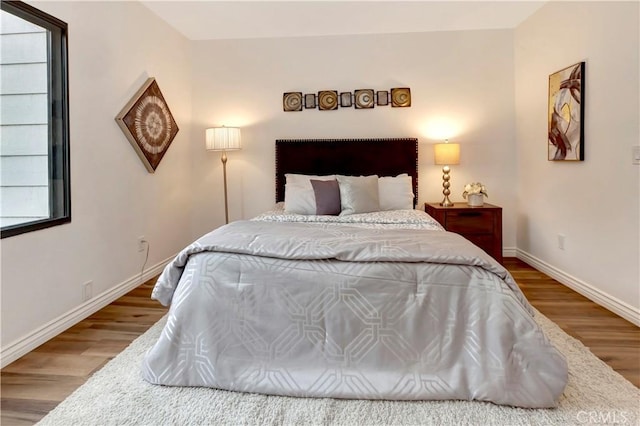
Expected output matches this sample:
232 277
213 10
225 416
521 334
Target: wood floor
34 384
37 382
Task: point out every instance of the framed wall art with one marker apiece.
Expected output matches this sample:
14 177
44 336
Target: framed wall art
565 140
382 97
401 97
363 98
148 124
345 99
292 101
327 100
330 100
310 100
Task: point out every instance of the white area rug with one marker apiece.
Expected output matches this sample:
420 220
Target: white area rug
116 395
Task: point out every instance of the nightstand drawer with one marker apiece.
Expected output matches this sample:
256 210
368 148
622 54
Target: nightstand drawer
480 225
470 221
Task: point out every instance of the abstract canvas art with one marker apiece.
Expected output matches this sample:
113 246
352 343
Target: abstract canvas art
565 140
148 124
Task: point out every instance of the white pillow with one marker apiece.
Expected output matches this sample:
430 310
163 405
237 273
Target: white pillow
395 193
299 197
358 194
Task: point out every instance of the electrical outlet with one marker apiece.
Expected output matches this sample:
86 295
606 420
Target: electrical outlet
142 243
561 241
87 291
636 155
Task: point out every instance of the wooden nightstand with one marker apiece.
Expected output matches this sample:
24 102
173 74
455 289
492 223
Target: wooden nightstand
480 225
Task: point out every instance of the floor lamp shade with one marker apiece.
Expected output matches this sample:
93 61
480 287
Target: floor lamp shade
445 155
223 139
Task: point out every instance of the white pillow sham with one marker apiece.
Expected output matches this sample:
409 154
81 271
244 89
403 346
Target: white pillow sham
395 193
358 194
299 197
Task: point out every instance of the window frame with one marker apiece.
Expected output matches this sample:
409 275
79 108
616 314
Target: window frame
58 115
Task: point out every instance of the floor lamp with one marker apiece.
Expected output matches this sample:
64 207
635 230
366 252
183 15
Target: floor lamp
445 155
223 139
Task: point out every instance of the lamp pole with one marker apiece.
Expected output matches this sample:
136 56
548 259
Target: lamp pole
224 174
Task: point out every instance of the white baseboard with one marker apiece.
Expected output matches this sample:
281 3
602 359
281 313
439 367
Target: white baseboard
24 345
603 299
509 251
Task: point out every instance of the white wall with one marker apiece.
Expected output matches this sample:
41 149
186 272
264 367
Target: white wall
113 48
593 203
461 85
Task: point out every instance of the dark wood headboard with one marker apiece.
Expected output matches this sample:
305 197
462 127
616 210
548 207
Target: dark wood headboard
351 157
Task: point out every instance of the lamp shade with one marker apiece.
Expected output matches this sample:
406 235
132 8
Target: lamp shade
223 138
446 154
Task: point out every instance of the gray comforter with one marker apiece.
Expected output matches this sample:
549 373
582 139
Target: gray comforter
345 312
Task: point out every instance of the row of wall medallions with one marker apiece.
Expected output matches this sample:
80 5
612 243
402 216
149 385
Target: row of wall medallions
327 100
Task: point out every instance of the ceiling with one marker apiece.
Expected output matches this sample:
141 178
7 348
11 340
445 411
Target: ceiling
239 19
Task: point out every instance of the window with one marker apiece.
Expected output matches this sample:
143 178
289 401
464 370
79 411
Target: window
34 120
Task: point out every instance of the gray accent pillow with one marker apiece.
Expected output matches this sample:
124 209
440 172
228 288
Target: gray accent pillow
358 194
327 193
298 193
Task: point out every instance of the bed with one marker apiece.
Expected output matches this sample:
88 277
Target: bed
368 305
